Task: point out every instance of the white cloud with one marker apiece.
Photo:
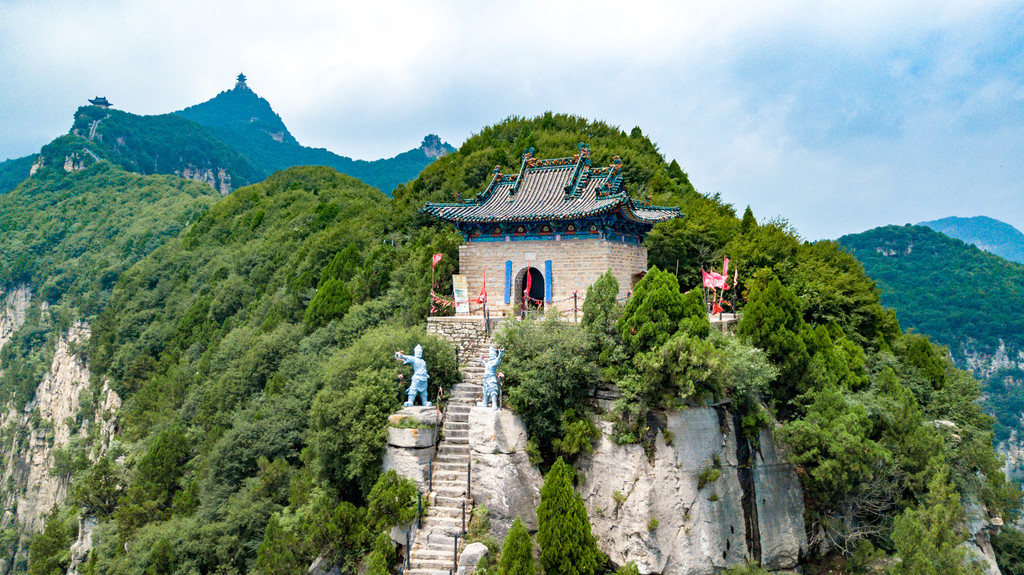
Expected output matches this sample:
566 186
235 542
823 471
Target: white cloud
792 106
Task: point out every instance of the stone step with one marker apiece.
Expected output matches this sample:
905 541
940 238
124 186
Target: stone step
451 501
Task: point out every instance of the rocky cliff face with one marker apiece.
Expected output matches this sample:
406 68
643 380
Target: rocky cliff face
13 307
705 501
52 421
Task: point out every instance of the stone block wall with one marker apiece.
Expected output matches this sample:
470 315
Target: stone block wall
575 264
468 333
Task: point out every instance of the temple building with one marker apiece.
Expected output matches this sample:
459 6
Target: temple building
554 226
240 82
100 101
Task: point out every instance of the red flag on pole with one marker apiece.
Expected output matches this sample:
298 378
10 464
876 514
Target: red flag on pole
483 291
725 267
529 283
437 258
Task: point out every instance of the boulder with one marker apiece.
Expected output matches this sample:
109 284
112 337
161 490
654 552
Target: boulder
471 557
503 478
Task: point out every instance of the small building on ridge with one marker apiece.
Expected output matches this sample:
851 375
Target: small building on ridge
554 226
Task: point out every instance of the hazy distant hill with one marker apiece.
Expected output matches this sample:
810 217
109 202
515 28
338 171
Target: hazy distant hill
14 172
987 233
959 295
246 122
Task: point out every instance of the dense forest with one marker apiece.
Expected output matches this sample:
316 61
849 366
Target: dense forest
253 353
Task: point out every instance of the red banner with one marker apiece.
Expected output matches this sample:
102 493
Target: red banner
437 259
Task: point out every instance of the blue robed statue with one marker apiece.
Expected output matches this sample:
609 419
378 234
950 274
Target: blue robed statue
419 376
491 386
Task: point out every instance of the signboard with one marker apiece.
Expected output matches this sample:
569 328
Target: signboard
460 285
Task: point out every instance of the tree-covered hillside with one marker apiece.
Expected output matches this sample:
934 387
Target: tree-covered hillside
165 144
956 293
69 237
989 234
254 354
247 123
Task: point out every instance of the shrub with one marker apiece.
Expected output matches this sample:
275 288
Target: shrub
517 551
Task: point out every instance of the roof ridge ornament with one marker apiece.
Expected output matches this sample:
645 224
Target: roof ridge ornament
528 161
580 175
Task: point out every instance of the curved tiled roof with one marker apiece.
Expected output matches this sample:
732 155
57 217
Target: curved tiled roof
558 189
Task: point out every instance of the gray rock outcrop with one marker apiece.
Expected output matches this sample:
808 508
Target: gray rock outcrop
412 435
503 478
692 508
471 557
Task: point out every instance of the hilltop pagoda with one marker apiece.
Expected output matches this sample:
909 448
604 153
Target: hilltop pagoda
100 102
240 82
554 226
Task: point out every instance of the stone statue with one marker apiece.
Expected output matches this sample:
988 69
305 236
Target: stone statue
419 376
491 389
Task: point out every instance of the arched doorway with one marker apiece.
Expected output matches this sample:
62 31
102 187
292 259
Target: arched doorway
535 280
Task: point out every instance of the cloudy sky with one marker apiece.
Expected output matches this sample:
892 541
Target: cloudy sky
839 116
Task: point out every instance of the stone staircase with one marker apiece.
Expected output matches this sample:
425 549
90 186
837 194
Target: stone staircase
433 552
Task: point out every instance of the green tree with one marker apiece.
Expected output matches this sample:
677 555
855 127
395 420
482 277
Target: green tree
772 321
601 306
331 301
652 314
517 551
567 546
549 368
926 537
380 559
98 490
48 554
749 222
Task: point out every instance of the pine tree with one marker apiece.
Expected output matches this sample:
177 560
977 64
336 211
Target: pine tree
382 556
517 551
773 321
276 555
600 303
567 546
749 222
653 313
926 537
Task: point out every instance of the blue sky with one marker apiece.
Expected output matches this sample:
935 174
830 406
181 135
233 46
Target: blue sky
835 116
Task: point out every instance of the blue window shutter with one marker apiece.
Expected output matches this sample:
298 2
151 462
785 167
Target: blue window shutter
547 281
508 282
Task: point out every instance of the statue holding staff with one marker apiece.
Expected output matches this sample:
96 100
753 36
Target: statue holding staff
491 386
419 376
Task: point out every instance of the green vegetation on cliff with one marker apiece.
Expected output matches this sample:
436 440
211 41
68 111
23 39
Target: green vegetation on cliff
254 353
69 237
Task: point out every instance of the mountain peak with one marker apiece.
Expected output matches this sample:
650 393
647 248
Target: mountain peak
434 148
240 107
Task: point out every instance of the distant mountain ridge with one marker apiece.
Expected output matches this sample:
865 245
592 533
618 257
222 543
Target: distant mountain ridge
989 234
959 295
233 139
